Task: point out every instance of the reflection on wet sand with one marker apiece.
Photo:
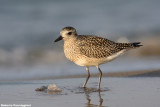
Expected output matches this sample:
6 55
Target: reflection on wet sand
87 92
95 98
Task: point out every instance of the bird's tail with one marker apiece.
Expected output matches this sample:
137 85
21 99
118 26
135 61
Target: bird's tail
122 46
135 44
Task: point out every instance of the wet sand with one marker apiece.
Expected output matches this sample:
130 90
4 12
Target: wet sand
125 91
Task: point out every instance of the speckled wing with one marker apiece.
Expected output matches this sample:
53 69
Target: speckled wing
96 47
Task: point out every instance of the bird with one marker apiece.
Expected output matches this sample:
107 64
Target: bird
91 50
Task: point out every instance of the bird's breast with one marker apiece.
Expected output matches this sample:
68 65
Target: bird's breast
70 51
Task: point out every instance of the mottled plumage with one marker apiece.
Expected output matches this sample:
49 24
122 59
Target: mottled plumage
97 47
88 50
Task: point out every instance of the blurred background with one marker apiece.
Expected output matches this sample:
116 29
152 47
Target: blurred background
29 27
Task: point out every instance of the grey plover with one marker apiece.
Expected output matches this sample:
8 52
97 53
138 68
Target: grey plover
89 50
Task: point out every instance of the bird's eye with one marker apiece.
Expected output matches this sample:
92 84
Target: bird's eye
69 33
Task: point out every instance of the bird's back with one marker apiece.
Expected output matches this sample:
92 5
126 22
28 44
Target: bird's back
98 47
95 47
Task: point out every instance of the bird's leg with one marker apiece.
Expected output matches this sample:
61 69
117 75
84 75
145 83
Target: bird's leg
100 75
87 78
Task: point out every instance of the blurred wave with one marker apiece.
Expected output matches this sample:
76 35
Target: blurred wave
36 22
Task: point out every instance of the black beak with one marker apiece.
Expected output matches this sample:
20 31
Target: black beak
58 39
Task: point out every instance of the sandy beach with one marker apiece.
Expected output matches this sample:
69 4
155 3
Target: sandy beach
138 90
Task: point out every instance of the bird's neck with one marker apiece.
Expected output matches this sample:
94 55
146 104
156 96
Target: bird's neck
69 42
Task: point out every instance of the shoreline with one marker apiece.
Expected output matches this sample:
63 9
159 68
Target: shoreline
137 73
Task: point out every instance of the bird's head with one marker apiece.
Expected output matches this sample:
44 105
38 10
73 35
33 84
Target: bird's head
67 33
